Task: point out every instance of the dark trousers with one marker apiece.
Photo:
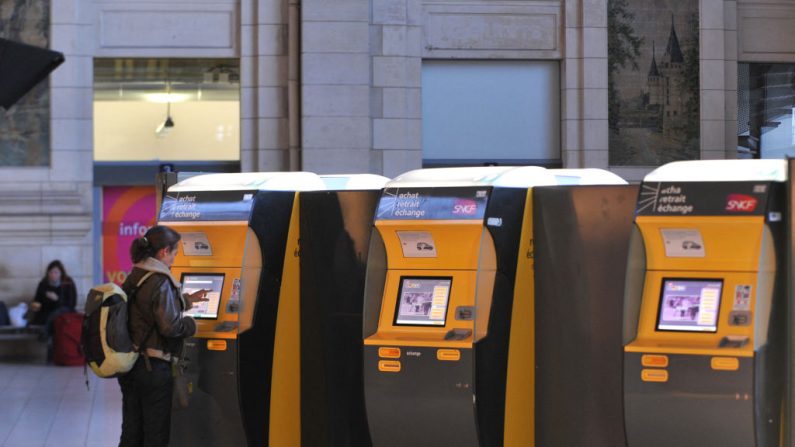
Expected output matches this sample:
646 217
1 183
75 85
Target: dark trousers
50 322
146 405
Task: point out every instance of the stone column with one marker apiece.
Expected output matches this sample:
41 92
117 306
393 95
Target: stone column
397 75
730 76
584 91
46 211
335 88
715 102
264 124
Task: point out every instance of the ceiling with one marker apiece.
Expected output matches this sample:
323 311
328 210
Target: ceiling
138 79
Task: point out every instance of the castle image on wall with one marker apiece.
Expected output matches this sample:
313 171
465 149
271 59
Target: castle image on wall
654 113
665 94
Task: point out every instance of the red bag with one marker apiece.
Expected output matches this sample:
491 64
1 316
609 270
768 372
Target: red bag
66 349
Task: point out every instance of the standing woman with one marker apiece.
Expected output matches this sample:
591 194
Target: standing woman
157 328
55 295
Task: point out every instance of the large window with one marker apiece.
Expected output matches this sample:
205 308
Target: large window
166 110
766 110
476 112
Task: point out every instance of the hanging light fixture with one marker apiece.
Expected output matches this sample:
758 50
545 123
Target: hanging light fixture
165 127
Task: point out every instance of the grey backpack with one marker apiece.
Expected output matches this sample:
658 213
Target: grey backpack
106 341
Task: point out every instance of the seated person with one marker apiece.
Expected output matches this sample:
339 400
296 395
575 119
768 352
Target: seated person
55 295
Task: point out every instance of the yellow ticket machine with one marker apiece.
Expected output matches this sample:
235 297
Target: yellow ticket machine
240 242
704 322
449 324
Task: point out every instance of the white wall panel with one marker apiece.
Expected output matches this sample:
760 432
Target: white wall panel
504 30
173 29
491 110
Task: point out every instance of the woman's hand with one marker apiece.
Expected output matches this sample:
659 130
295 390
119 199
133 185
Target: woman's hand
52 295
198 296
35 306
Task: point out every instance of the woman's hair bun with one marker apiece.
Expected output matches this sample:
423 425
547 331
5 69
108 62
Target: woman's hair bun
157 238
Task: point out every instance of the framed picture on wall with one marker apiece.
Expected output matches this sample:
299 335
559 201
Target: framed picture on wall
653 81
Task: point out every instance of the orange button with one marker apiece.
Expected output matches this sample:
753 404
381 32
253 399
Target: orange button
725 363
452 355
389 353
654 375
216 345
389 365
654 361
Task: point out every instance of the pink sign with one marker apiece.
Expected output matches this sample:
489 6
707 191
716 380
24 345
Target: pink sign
127 213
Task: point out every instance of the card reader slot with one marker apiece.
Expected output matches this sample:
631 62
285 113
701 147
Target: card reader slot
226 326
458 334
733 341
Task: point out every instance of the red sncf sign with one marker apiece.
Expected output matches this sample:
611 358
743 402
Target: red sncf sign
465 207
740 203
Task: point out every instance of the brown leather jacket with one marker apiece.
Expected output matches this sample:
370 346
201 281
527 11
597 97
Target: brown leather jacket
157 303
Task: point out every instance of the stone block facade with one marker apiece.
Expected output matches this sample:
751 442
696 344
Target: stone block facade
336 86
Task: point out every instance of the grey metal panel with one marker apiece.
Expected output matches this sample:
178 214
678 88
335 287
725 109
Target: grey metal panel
143 173
790 291
213 415
375 278
633 285
451 162
769 386
581 244
697 407
96 235
335 233
771 357
428 403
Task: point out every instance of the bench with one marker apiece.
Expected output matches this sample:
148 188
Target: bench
23 343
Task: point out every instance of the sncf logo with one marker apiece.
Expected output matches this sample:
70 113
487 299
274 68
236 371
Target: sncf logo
465 207
740 203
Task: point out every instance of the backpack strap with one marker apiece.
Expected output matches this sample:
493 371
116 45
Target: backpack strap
141 281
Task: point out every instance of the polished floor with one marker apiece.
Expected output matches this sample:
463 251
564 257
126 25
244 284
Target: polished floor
50 406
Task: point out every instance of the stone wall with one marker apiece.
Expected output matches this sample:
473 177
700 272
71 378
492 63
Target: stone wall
335 92
584 95
264 79
360 67
47 211
362 70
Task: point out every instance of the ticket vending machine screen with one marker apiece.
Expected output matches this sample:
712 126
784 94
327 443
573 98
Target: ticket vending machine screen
422 301
689 305
214 284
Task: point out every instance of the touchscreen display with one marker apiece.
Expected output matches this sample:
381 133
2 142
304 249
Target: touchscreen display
690 305
423 301
214 284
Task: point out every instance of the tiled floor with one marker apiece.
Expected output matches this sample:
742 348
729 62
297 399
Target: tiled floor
50 406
